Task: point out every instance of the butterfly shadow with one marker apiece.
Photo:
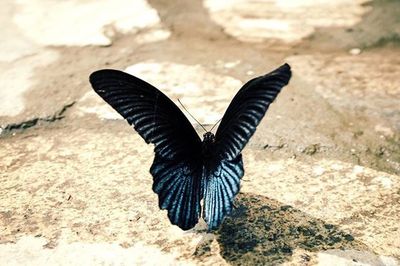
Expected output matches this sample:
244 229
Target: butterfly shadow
263 231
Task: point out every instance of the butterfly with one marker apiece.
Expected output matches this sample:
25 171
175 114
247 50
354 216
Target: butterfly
187 169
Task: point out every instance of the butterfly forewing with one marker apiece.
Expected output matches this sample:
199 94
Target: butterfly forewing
247 109
154 116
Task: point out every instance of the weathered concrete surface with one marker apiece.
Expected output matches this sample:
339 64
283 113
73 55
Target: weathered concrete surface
24 47
82 23
322 182
287 20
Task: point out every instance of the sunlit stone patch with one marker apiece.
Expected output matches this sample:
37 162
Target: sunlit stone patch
18 79
286 20
32 250
357 85
44 21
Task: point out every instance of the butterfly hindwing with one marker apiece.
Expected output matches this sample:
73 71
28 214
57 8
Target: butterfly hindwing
221 186
247 109
178 185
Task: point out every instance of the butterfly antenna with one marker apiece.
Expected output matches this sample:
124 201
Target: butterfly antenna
192 116
215 124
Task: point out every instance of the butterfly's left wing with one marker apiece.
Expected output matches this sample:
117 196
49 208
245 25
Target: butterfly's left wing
238 124
152 114
175 169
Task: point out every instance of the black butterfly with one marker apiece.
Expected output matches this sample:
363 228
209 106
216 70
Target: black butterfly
185 169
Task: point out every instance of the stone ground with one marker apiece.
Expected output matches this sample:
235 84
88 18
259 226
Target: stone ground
322 182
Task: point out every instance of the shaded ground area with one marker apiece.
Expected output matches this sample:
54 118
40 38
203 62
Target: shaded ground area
263 231
322 182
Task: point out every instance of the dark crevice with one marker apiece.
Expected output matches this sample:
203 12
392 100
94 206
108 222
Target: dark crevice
6 129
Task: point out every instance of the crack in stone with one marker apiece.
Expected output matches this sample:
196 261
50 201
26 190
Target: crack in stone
33 122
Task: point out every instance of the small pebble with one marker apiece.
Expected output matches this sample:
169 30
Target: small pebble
250 72
355 51
231 64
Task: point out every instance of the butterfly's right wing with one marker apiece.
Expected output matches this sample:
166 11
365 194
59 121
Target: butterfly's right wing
237 126
247 109
158 120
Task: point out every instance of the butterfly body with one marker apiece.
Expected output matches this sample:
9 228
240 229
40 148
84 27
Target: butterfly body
186 169
207 146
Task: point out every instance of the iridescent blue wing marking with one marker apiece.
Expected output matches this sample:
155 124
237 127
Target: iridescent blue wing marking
178 185
221 185
238 124
158 120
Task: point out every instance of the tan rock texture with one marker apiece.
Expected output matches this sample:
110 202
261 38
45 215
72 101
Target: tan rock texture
322 172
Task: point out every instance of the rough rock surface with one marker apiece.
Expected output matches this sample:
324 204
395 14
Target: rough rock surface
322 180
